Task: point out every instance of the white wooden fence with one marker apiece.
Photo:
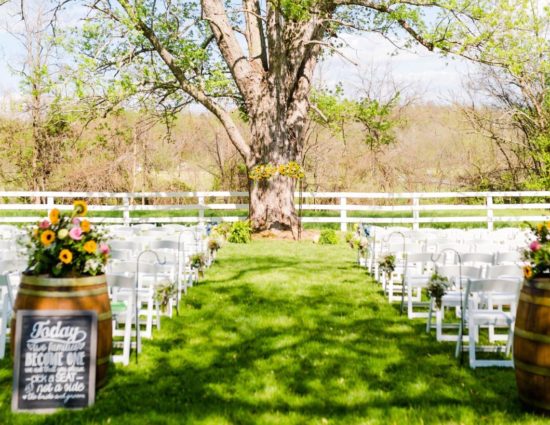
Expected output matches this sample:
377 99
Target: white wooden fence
330 207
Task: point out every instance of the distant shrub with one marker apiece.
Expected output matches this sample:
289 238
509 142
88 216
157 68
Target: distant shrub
240 232
328 237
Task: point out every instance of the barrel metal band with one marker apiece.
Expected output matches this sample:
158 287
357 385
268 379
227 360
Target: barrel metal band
103 360
532 336
541 285
539 404
63 281
104 316
545 301
58 294
531 368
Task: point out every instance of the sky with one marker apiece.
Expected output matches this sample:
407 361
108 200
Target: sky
433 78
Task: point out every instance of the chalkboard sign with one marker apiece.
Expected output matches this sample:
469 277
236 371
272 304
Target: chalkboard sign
55 360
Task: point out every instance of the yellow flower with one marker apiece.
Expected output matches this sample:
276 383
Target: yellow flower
85 226
90 247
62 234
80 208
539 227
548 225
47 237
527 272
54 216
35 232
66 256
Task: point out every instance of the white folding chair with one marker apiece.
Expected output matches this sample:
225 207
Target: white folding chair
477 314
419 268
123 307
457 277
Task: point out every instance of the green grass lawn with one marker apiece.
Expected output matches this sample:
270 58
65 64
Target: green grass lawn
291 333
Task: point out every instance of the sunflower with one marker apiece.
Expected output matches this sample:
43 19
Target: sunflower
90 247
85 226
66 256
47 237
80 208
527 272
54 216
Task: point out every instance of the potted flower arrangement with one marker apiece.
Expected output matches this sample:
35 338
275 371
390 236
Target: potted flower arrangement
532 324
67 245
66 265
537 255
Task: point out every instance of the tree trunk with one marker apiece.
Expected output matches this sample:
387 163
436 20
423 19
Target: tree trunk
272 204
276 143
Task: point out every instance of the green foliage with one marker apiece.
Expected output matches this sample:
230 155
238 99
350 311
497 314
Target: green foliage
376 117
240 232
328 237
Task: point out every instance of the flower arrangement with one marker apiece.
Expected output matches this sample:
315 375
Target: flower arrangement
214 244
164 291
387 264
197 261
266 171
538 252
66 245
437 287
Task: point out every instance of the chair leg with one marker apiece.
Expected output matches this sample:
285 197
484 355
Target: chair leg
430 312
4 329
472 344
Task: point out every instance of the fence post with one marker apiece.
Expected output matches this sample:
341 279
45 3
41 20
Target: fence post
490 216
343 214
126 210
201 209
416 212
50 201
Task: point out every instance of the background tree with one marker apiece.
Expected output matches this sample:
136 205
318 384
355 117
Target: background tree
260 57
511 98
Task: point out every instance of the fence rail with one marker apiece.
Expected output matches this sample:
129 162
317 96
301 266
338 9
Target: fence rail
330 207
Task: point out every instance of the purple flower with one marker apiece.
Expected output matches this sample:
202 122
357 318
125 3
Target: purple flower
76 221
75 233
535 246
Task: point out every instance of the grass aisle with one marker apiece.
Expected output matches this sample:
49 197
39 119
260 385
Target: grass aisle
291 333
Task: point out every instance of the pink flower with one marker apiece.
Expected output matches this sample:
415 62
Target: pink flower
104 248
76 221
535 246
75 233
44 224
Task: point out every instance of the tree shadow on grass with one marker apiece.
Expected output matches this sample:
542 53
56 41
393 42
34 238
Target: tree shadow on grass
246 354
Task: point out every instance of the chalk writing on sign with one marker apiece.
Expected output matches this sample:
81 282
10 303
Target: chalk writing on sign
55 360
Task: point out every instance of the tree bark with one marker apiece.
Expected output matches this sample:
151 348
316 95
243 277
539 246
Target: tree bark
272 205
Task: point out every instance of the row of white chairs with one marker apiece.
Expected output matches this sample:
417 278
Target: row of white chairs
132 279
483 289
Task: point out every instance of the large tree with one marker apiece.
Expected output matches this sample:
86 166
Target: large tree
258 57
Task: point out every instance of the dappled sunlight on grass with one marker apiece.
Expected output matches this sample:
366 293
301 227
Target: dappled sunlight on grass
291 333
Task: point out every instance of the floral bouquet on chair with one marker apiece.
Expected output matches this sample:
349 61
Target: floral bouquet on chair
538 253
67 245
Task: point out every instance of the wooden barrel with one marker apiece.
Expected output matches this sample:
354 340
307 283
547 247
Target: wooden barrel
532 344
80 293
